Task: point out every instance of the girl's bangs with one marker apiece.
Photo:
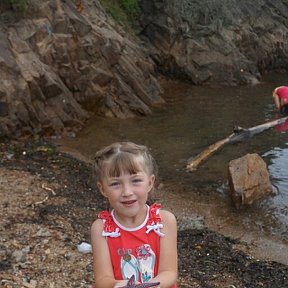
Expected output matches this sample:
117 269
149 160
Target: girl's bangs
123 163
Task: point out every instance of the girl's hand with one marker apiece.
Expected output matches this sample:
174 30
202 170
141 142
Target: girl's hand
125 283
131 283
122 283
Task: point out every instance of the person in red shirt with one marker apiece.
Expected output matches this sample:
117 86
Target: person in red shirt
280 95
132 239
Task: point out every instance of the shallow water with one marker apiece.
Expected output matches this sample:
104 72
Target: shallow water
192 119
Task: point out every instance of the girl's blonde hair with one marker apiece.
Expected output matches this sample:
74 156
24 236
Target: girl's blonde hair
123 157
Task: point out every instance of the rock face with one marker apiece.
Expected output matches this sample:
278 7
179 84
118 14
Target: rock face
59 65
248 179
227 41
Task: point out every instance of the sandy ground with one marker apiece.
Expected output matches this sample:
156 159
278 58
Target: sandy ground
47 206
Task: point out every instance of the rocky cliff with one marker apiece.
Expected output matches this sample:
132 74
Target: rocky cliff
60 64
228 42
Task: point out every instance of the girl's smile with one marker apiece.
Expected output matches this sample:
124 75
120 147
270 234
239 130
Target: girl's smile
128 203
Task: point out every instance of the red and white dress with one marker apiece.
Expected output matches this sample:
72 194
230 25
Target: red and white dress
134 251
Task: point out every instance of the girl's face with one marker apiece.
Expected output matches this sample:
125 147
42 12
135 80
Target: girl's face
128 194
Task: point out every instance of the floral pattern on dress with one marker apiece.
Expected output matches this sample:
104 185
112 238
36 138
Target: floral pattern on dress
143 252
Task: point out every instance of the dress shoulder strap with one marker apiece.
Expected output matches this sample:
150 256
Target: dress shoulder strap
110 228
154 220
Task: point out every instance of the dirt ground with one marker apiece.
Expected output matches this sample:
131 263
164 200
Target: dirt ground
48 203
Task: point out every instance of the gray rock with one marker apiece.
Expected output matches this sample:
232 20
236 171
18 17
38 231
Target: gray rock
19 256
229 42
190 222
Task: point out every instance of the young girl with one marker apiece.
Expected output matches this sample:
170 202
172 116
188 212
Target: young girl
280 95
133 238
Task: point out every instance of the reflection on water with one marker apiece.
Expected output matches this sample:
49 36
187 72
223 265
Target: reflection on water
192 119
279 177
278 168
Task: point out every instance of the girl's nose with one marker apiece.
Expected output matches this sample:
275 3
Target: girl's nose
127 190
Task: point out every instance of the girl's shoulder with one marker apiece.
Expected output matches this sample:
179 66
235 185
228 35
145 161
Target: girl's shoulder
97 227
102 217
169 222
167 216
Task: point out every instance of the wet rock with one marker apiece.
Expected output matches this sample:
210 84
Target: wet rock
227 42
60 66
248 179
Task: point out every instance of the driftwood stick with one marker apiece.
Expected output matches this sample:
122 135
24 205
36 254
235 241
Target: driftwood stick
193 163
239 134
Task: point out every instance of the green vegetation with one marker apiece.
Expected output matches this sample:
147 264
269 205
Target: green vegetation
16 5
46 149
12 149
125 12
20 5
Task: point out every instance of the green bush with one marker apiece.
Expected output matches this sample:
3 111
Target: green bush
123 11
130 7
20 5
16 5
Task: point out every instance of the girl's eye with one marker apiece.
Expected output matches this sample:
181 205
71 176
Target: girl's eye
136 180
114 184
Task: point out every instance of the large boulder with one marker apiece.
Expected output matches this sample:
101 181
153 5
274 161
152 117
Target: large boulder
248 179
60 65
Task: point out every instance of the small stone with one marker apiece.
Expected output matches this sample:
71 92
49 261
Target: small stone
43 232
18 256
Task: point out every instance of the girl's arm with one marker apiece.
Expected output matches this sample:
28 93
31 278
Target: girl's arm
276 99
103 271
167 272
